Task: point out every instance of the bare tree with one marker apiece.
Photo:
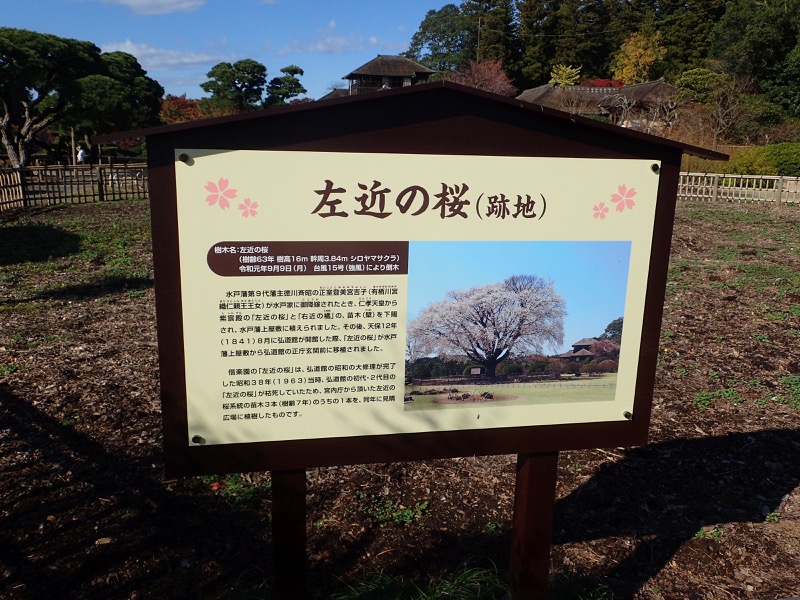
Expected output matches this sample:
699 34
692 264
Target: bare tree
485 324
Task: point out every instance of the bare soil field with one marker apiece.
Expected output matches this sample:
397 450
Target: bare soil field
709 509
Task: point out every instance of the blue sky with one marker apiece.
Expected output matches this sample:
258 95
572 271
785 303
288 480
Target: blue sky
591 276
178 41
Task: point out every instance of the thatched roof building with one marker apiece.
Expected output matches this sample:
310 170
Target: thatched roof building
382 73
643 104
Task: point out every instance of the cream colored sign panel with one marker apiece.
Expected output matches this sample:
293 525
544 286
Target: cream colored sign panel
309 281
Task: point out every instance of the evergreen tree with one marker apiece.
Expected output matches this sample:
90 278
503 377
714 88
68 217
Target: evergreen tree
445 40
580 35
536 35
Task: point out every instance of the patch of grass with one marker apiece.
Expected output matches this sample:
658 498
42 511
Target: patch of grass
233 486
712 533
760 277
726 254
8 369
467 583
704 400
569 585
773 517
494 529
791 384
388 511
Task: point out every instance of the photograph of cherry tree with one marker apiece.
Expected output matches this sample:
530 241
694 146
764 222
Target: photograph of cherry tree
481 311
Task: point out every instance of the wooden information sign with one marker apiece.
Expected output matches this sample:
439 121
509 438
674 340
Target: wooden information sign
303 255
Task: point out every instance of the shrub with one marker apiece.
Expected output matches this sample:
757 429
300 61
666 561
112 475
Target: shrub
538 366
785 157
511 369
775 159
751 161
557 367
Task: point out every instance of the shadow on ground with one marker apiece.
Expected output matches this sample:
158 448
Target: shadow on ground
36 243
80 521
111 284
659 496
663 494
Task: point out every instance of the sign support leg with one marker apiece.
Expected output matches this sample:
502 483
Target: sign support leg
289 534
534 505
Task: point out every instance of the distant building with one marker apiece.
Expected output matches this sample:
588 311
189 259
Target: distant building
581 351
382 73
648 106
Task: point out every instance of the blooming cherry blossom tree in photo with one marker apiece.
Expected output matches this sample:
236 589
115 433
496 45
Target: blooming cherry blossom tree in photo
486 324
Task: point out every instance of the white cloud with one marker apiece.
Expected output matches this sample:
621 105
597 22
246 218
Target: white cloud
160 59
158 7
329 42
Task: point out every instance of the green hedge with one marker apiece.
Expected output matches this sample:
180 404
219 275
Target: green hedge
775 159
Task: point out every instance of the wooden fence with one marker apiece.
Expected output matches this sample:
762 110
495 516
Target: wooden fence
47 186
716 187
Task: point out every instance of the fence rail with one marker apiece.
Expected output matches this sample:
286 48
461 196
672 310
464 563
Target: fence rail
717 187
47 186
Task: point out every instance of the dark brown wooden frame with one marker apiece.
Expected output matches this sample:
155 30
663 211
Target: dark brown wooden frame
438 118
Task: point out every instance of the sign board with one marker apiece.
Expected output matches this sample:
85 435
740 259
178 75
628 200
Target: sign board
298 250
300 272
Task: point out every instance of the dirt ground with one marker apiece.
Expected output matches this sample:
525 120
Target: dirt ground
709 509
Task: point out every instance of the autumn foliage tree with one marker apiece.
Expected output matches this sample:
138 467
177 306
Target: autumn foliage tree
179 109
564 75
486 324
487 75
638 57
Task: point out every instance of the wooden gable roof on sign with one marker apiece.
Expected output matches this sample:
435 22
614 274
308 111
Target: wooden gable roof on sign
442 117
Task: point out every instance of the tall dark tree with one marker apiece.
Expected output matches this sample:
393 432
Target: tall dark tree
235 87
39 74
281 89
495 24
54 83
119 97
445 41
580 36
536 35
757 41
685 26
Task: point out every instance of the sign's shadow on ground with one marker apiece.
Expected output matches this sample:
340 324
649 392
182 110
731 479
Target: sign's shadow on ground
665 494
70 488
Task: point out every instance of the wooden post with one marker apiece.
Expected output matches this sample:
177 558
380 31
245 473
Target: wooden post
288 534
532 532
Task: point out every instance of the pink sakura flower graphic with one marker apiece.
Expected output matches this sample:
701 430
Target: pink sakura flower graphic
600 211
624 199
220 193
248 208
